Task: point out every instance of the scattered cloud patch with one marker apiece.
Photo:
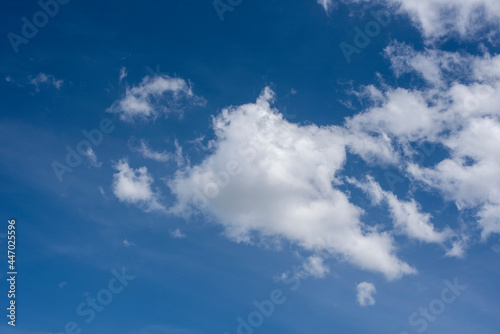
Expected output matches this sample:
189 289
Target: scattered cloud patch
128 243
45 79
143 148
177 234
366 292
406 215
457 111
123 73
438 20
155 96
92 158
315 267
458 246
134 186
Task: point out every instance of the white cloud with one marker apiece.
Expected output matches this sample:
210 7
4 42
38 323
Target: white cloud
147 152
123 73
46 79
441 19
128 243
265 177
180 159
177 234
460 115
134 186
154 96
315 266
327 4
270 178
406 215
463 18
432 65
458 246
366 292
92 157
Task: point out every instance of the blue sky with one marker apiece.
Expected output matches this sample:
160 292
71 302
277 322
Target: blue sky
239 159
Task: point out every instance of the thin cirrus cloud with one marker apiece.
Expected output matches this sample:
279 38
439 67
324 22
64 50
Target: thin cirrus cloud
123 73
141 146
154 96
406 215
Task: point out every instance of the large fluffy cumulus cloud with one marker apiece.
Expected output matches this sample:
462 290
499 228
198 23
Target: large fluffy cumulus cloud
271 178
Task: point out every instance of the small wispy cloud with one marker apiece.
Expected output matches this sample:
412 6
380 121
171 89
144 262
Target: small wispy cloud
123 73
143 148
92 158
327 4
366 292
45 79
128 243
154 96
177 234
